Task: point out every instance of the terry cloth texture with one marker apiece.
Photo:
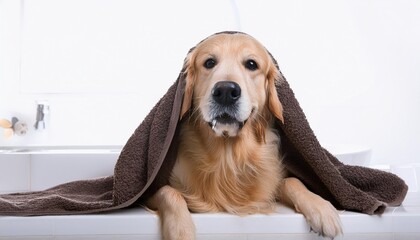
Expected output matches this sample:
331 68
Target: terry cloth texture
146 161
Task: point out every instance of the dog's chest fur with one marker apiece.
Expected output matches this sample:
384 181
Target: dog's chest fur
238 175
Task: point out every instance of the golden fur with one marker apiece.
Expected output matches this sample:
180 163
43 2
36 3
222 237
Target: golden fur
236 166
235 174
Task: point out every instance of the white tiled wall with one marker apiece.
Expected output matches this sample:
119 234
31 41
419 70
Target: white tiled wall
352 64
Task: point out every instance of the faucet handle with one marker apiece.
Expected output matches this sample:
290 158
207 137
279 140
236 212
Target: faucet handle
42 109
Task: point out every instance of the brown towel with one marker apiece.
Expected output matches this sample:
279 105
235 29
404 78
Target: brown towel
146 160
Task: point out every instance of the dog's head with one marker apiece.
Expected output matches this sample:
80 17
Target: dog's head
230 81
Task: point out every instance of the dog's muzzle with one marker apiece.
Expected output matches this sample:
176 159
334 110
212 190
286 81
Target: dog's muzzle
225 107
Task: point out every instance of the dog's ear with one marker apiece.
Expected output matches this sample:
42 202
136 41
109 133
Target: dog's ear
274 103
189 73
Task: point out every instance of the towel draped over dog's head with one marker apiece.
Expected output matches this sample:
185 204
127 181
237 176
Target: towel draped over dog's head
147 158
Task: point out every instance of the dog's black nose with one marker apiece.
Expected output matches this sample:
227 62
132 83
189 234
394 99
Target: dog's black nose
226 92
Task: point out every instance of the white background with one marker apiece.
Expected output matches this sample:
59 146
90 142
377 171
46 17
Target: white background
102 65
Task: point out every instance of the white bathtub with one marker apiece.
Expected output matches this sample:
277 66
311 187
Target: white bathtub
37 168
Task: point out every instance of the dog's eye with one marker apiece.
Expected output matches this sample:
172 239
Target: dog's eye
251 65
210 63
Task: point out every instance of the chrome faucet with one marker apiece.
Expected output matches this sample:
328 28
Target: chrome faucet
41 110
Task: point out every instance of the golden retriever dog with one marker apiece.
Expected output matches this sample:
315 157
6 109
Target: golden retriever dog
228 157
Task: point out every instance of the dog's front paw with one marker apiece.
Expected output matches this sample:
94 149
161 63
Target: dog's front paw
178 227
322 217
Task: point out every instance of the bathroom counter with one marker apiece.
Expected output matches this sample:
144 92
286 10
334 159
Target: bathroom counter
401 222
